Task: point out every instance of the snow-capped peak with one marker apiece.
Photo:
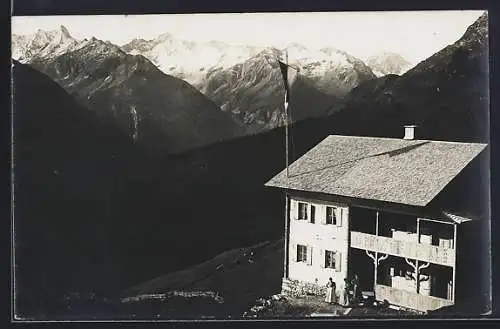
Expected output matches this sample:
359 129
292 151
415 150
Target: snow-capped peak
386 62
42 44
164 37
59 35
295 46
64 31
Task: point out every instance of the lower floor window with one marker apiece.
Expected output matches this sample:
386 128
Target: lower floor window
330 259
301 253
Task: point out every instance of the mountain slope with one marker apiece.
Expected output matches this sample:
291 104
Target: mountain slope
237 278
153 108
68 167
446 95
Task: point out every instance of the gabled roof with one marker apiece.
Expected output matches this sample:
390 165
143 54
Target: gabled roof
410 172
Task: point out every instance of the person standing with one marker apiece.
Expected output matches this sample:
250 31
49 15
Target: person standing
330 291
355 289
344 293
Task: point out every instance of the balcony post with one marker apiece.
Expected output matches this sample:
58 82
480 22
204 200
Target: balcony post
418 230
417 270
287 217
376 256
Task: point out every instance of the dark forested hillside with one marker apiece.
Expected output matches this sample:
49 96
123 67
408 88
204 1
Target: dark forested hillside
69 168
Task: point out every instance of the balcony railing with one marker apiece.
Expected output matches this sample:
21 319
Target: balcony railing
409 299
407 249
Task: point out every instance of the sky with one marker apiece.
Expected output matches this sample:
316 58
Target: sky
416 35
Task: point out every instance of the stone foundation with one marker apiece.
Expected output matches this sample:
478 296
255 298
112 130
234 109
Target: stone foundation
298 288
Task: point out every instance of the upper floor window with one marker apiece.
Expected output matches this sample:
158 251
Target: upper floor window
303 210
330 216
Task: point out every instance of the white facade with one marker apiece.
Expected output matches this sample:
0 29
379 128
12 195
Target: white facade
319 237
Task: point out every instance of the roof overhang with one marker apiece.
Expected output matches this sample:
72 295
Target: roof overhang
455 218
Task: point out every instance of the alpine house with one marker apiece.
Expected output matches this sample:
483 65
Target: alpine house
401 214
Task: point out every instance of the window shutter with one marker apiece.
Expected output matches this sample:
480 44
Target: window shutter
309 255
338 216
337 261
294 209
312 214
322 214
322 257
293 252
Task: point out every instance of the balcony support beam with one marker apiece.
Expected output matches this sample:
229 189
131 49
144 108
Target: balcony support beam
436 221
384 257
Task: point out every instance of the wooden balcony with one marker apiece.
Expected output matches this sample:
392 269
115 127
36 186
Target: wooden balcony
407 249
410 300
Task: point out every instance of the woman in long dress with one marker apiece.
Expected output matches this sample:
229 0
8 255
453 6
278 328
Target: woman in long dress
330 291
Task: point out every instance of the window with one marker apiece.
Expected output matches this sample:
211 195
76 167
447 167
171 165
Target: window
330 259
302 210
301 253
330 216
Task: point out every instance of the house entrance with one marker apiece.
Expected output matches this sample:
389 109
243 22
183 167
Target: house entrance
362 265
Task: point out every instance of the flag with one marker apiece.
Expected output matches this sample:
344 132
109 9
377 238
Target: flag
289 75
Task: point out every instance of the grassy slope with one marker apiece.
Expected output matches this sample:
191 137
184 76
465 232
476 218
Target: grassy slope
240 282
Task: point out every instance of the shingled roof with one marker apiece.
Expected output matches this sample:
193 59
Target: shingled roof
410 172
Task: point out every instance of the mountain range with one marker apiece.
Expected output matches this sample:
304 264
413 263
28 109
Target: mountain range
189 60
153 108
193 61
244 81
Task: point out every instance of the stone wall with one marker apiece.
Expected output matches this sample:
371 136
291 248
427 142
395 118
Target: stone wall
298 288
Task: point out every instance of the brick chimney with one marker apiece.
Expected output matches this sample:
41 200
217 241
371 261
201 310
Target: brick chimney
409 132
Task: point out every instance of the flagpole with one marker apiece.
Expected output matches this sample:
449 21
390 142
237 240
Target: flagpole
286 116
